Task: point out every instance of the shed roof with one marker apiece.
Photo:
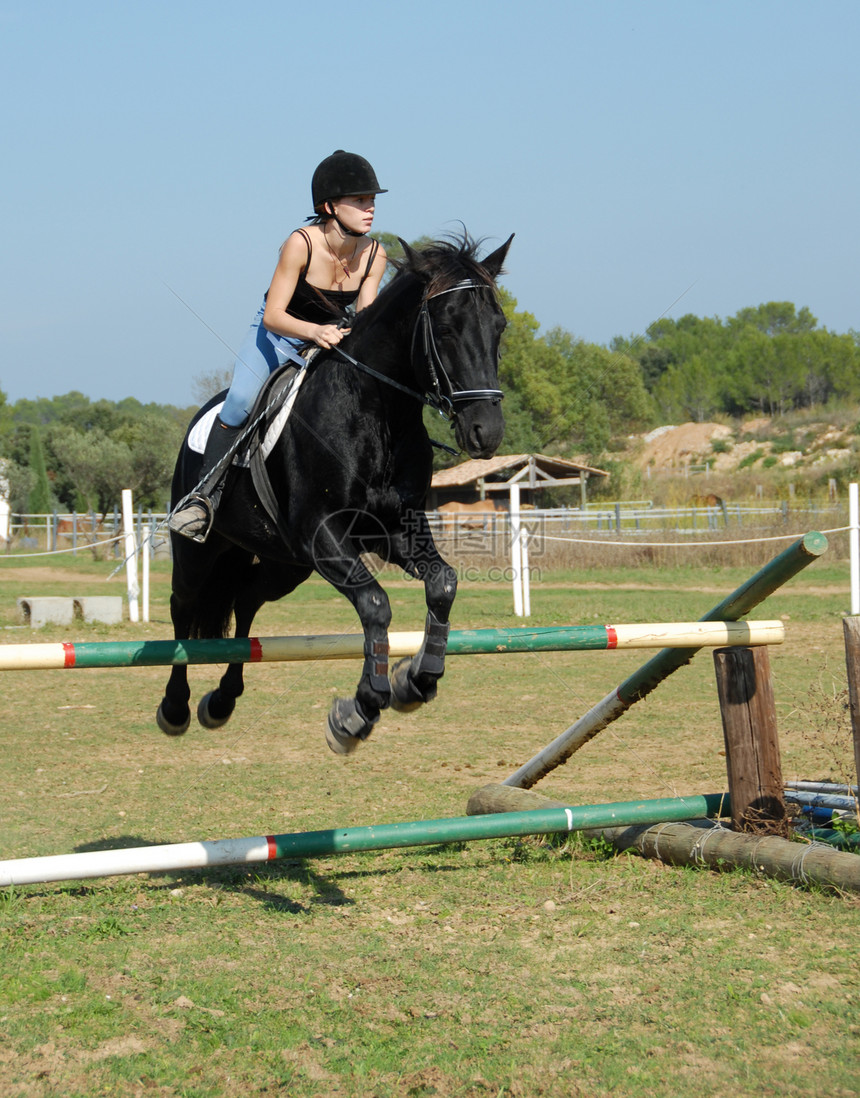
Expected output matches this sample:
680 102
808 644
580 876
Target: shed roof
547 468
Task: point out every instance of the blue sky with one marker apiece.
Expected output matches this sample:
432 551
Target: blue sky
652 158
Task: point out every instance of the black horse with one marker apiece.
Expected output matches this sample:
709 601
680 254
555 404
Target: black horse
349 474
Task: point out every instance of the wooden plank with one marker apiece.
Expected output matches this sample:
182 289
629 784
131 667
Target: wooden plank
851 633
745 689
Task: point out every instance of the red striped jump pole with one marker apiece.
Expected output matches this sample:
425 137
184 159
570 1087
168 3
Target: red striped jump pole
461 642
350 840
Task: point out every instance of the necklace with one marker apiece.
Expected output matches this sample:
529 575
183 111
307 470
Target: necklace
342 263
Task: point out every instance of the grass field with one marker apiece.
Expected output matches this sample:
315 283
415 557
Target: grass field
513 967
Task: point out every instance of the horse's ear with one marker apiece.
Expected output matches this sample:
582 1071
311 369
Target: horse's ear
493 262
409 254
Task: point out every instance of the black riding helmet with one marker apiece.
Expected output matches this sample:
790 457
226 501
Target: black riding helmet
341 174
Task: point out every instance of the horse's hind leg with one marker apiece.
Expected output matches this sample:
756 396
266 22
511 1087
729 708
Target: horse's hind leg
201 604
174 716
264 585
216 707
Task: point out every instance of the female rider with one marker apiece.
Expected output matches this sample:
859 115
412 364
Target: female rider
322 270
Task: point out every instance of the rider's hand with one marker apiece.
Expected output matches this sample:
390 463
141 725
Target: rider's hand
329 335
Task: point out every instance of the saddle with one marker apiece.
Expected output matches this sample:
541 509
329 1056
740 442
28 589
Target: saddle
266 423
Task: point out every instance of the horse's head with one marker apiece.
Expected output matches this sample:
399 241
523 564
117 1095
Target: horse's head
455 346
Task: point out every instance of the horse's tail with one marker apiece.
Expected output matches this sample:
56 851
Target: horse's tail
215 603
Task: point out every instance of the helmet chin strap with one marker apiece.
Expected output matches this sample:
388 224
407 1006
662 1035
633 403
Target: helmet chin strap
343 228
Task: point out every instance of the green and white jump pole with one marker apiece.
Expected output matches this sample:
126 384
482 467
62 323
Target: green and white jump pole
351 840
461 642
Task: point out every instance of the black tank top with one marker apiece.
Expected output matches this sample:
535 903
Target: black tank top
317 306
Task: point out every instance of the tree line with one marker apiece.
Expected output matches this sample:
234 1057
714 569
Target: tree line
563 396
770 359
70 453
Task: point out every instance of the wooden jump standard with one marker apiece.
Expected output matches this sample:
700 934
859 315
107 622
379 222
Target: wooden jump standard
640 684
752 757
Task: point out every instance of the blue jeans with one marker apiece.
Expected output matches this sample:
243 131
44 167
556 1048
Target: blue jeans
261 353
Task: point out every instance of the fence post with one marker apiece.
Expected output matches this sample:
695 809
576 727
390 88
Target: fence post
519 556
851 632
145 554
130 556
748 712
854 545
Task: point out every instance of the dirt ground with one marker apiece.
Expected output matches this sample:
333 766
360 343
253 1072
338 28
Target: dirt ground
672 447
669 447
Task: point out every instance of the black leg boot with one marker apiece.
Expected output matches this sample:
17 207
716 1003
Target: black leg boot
193 515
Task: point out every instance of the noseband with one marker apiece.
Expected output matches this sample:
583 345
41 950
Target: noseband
444 397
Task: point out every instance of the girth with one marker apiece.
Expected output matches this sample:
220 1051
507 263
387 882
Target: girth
267 407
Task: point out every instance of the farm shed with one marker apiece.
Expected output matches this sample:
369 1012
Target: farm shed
488 481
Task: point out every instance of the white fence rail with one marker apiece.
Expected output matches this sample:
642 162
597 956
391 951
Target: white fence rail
640 518
63 531
76 532
483 532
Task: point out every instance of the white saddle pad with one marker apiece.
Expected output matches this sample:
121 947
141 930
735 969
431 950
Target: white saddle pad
200 431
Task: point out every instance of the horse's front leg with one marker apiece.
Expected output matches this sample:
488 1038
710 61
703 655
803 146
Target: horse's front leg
414 680
351 720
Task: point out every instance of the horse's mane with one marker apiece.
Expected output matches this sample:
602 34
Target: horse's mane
438 265
444 263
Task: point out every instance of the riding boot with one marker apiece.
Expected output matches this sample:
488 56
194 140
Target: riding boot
194 514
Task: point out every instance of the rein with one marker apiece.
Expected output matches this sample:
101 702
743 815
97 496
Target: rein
444 403
425 398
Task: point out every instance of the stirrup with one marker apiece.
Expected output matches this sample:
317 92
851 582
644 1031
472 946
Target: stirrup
192 518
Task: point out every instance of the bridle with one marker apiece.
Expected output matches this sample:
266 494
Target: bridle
442 395
446 401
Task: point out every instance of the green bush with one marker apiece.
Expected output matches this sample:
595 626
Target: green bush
750 459
783 443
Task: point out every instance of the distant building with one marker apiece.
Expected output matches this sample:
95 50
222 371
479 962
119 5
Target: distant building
485 484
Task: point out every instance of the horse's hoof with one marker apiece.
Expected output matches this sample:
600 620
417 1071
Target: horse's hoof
405 695
168 727
347 726
205 715
342 743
